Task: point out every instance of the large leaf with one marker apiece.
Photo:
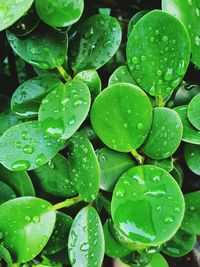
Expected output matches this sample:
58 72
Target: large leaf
152 205
26 147
188 12
59 13
44 47
121 116
158 49
12 10
84 167
165 135
26 224
86 239
96 41
71 103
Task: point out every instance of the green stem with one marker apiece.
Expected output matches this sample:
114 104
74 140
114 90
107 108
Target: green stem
67 203
137 156
63 73
160 101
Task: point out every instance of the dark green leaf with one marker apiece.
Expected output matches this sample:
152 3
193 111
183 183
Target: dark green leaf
193 112
136 17
5 255
121 75
6 193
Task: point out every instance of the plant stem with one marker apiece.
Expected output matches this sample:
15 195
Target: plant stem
137 156
63 73
160 101
67 203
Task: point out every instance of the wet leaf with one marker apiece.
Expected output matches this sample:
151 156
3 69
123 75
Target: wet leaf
193 112
121 75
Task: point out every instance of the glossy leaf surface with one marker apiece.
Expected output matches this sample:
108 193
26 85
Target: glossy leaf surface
192 157
121 75
193 111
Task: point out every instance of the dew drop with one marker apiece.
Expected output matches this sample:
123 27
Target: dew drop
36 219
20 165
120 193
165 38
169 74
197 40
27 218
40 160
134 60
28 149
169 220
140 126
84 247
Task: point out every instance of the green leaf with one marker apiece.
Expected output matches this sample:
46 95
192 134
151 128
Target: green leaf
44 48
191 222
192 157
58 13
27 97
190 134
5 255
92 80
158 49
193 112
158 260
165 135
120 75
12 10
154 192
136 259
177 173
112 165
6 193
86 238
95 42
180 244
136 17
32 147
112 247
188 12
166 164
71 103
26 224
54 179
20 182
84 167
59 237
121 116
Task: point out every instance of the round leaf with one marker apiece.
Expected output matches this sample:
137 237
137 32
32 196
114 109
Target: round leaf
112 247
192 157
191 222
96 41
26 99
188 12
12 10
6 193
92 80
121 75
190 134
86 239
166 164
26 224
112 165
193 112
59 13
165 135
84 167
25 147
121 116
180 244
158 260
71 103
59 237
54 179
44 48
158 49
136 17
152 205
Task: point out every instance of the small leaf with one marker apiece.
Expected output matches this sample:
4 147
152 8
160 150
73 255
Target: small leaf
190 134
121 116
96 41
5 255
177 173
165 135
192 157
44 48
166 164
156 193
84 167
59 13
180 244
12 10
53 177
30 222
32 147
165 53
158 260
121 75
71 103
92 80
191 222
136 17
86 238
6 193
193 112
27 97
59 237
112 165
